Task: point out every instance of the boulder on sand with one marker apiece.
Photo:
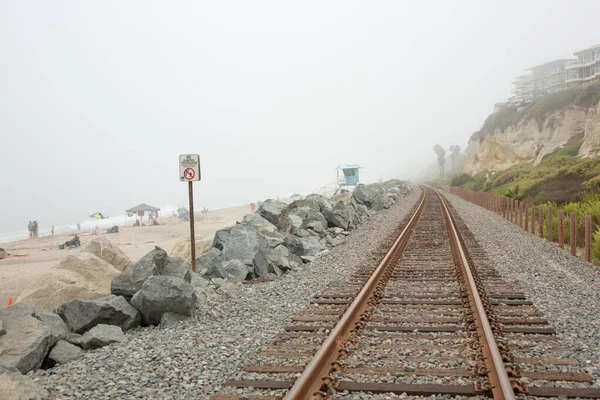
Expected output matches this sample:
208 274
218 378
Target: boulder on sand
77 276
153 263
183 247
104 249
82 315
162 294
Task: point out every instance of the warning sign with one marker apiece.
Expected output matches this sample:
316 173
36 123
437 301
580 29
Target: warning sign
189 167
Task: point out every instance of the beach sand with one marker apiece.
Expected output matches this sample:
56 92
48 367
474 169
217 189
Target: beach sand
43 252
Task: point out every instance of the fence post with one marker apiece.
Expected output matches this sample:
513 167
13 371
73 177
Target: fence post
526 217
573 233
588 238
533 219
541 221
521 214
561 236
550 224
512 210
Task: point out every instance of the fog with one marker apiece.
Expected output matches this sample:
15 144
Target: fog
98 99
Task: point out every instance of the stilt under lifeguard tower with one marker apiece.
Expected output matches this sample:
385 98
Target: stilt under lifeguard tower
347 175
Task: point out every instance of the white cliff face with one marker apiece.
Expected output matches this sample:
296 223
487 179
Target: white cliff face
527 143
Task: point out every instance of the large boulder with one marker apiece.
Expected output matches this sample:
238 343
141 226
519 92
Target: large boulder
246 244
260 223
341 216
77 276
30 333
221 238
15 386
161 294
274 212
304 247
155 262
210 264
100 336
315 201
235 271
183 247
279 259
82 315
368 197
104 249
63 353
309 217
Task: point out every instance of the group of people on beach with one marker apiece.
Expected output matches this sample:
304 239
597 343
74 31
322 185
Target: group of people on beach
33 229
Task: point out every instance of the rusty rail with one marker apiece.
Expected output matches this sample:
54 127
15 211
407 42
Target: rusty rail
310 381
501 385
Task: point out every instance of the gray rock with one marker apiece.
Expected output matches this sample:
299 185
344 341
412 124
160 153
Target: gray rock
15 386
274 212
314 201
171 319
260 264
340 216
235 271
334 242
63 353
161 294
296 222
261 224
243 244
2 330
273 239
308 259
317 226
221 238
303 247
279 258
177 267
30 333
363 195
25 344
210 264
82 315
103 335
131 280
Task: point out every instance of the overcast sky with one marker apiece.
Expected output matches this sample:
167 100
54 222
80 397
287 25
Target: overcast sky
98 99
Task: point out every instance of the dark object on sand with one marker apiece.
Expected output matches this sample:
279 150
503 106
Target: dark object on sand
113 229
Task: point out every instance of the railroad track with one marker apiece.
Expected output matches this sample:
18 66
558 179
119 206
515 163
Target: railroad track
431 318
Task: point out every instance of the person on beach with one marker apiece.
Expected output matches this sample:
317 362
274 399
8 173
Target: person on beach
35 229
73 242
52 230
30 227
78 226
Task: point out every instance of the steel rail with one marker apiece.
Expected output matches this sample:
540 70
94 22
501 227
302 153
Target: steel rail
310 381
501 385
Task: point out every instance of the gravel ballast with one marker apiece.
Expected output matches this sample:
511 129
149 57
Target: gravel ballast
565 288
194 358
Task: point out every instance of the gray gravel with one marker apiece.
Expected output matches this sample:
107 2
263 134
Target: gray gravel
565 288
193 359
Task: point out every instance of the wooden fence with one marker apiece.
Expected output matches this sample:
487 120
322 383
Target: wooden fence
531 220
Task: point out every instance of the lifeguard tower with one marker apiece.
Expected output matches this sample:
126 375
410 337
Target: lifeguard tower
347 175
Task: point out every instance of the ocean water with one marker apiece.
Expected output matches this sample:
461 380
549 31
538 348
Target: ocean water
87 225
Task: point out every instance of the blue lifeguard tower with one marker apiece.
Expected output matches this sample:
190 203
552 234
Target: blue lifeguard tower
347 175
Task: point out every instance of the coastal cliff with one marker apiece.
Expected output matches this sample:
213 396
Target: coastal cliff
512 136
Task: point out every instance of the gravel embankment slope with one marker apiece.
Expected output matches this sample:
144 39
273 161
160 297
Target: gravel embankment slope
192 360
565 288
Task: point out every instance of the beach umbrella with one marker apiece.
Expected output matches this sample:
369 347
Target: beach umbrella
97 216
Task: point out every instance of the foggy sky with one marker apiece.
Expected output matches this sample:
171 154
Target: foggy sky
98 99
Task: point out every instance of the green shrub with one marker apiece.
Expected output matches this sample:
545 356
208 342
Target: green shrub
460 179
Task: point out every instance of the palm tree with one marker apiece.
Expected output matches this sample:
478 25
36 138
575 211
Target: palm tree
441 154
454 152
515 194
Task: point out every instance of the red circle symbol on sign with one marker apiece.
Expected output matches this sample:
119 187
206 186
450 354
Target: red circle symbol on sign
189 174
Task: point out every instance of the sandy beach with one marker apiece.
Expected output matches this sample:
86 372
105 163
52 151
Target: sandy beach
43 252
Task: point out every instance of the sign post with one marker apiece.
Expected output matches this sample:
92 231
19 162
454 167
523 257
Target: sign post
189 171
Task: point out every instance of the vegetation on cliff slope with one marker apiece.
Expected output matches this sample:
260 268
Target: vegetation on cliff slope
539 110
561 181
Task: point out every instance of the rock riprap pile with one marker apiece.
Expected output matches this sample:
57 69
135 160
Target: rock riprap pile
279 237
